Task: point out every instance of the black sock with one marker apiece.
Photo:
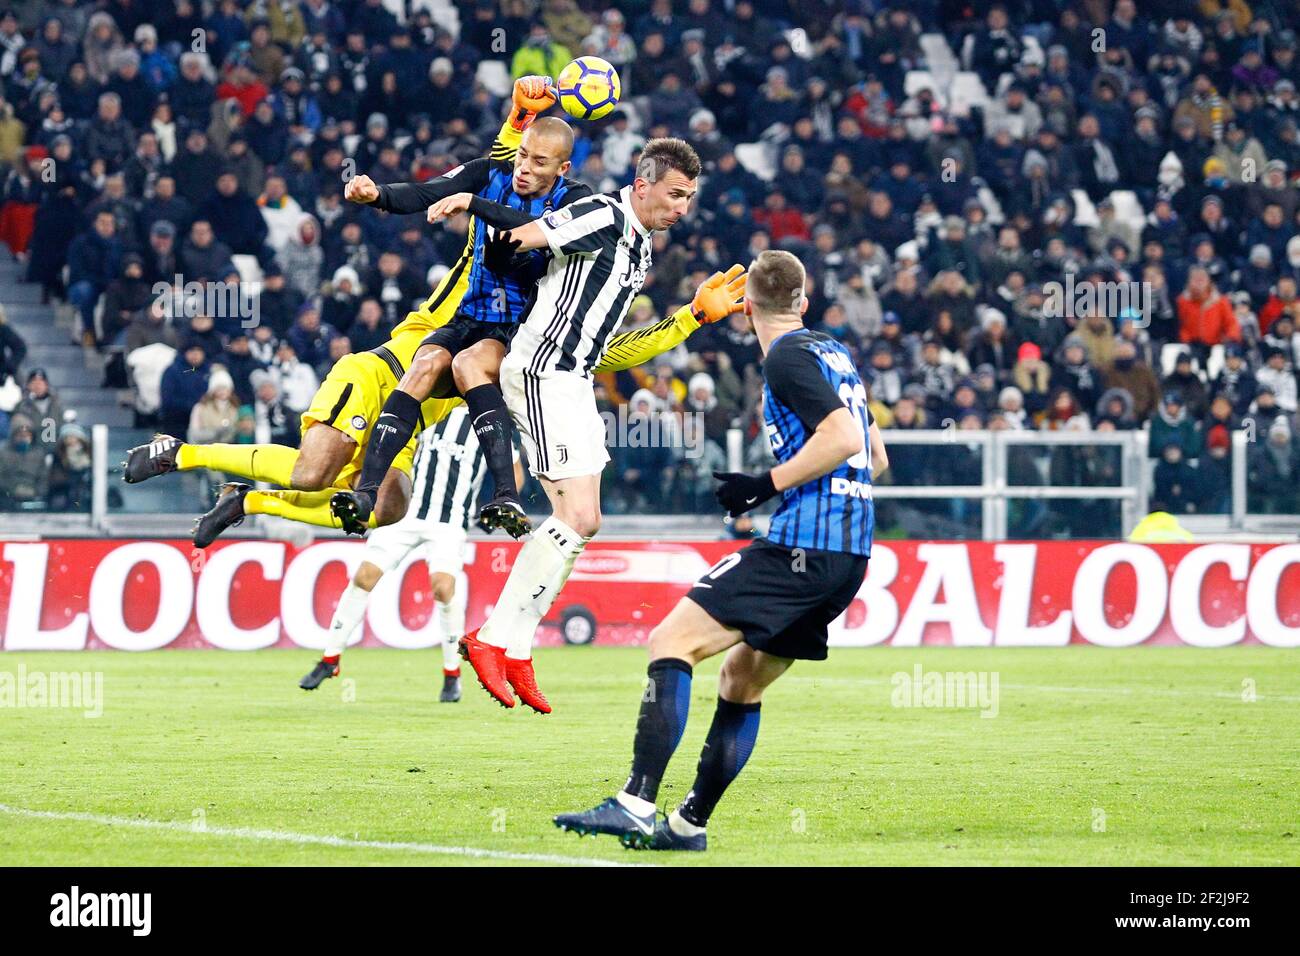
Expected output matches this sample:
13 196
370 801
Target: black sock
664 706
491 421
729 744
396 425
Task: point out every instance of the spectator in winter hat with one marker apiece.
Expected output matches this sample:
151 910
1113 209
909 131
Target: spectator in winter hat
1277 376
1032 377
1172 425
1011 407
1273 470
1187 384
1175 483
213 416
22 461
1135 377
1116 408
42 407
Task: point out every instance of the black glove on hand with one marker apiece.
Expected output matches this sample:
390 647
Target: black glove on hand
738 493
499 253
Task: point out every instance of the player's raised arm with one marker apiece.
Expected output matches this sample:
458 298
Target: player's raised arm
717 297
583 228
406 198
531 95
497 215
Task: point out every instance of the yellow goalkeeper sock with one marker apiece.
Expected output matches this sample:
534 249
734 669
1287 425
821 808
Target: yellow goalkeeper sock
309 507
269 463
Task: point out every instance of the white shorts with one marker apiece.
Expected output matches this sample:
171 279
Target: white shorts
555 413
444 546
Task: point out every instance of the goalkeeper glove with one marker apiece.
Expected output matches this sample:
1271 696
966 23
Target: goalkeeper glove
532 95
720 295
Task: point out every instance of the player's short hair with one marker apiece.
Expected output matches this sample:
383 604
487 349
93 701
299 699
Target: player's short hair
776 283
665 153
552 127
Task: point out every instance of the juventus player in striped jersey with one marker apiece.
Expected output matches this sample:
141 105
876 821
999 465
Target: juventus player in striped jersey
601 250
448 474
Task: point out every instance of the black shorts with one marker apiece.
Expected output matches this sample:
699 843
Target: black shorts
781 598
462 332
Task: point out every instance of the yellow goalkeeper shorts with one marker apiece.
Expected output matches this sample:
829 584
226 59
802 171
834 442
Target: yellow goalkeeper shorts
350 400
353 394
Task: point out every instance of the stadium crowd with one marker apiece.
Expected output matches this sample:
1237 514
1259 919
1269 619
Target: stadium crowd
190 141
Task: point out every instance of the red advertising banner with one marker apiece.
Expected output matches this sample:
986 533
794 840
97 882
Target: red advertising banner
243 595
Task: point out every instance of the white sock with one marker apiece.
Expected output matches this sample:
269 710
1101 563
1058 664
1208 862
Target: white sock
642 808
347 616
681 826
451 615
542 567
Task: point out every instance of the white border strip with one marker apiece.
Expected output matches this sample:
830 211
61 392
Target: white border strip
285 836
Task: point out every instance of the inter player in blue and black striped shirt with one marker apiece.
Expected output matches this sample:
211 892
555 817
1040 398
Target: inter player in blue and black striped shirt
766 605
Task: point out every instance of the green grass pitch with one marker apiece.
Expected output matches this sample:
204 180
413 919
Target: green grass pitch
1096 756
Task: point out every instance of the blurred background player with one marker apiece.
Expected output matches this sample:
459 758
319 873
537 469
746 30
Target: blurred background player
449 472
768 604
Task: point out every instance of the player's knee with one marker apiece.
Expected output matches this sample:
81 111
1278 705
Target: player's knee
423 373
367 576
583 520
735 683
671 642
443 587
388 510
309 475
468 371
587 525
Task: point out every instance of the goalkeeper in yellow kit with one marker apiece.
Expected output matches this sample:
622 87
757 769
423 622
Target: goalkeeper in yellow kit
336 428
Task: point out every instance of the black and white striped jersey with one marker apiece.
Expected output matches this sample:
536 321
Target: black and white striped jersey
449 471
601 253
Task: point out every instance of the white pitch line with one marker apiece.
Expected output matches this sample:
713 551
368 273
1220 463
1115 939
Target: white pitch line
285 836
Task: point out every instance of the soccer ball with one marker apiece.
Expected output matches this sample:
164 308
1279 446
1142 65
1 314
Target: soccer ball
588 88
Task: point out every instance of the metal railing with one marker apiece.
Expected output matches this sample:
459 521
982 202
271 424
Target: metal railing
995 491
1128 483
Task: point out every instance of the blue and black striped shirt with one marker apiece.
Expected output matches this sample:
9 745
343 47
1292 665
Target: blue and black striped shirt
806 376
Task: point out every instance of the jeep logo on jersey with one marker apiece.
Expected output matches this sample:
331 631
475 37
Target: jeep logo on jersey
558 218
851 487
634 279
450 448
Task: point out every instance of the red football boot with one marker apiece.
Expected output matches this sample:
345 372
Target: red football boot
520 675
489 667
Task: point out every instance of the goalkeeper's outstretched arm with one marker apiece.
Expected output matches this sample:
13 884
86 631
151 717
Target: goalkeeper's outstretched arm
717 297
